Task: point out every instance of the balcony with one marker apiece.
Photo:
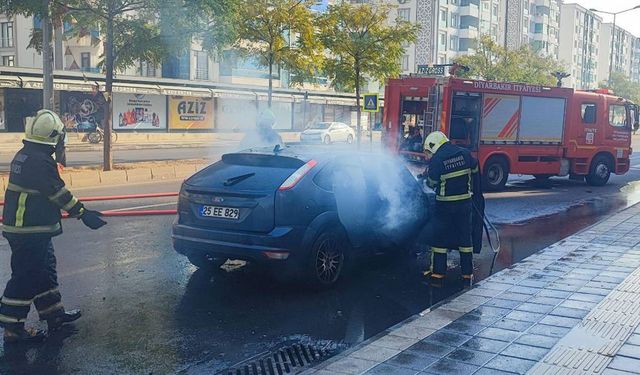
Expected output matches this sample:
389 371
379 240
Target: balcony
468 33
471 10
544 3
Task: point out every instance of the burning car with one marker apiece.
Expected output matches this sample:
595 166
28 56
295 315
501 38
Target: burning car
308 214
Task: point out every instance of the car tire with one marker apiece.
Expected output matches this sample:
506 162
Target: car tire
205 261
326 140
600 171
495 174
326 263
350 139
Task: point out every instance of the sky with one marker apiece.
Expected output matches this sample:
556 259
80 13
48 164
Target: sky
628 21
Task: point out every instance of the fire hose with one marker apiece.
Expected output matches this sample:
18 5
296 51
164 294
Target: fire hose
125 213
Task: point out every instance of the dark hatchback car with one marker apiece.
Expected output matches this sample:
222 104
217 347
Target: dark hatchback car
305 214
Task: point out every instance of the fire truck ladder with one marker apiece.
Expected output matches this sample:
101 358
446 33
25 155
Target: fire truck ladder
433 109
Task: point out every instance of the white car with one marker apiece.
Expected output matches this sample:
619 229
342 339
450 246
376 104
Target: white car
328 132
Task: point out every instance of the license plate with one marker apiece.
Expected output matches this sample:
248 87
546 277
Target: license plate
221 212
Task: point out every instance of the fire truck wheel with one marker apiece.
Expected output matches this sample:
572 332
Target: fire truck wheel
600 171
495 174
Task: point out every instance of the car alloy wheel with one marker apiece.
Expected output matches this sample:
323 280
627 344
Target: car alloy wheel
329 258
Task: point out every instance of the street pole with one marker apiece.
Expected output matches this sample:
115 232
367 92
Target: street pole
47 58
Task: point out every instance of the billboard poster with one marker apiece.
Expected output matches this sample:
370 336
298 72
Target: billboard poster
139 112
81 112
190 113
237 115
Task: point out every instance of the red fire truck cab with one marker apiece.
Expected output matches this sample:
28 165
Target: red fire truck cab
513 128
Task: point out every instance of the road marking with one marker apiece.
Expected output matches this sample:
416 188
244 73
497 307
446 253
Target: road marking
143 207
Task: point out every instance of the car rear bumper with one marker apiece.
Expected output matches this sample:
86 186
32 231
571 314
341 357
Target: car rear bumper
239 245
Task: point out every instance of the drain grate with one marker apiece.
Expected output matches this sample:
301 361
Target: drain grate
287 360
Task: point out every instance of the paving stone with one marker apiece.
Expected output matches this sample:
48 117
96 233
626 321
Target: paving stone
474 357
634 339
560 321
564 287
525 316
448 366
525 352
385 369
412 359
477 319
491 311
499 334
631 351
569 313
610 371
535 308
524 290
505 303
375 353
553 293
392 341
514 296
430 348
350 365
533 283
575 304
485 345
465 328
546 300
513 325
601 285
538 340
595 291
491 371
448 338
625 364
547 330
511 364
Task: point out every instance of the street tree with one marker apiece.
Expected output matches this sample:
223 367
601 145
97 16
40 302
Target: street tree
622 86
278 34
361 43
493 62
141 30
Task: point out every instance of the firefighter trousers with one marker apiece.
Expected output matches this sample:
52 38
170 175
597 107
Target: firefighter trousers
33 280
452 230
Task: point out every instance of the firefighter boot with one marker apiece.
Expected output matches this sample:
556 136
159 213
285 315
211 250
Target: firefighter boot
55 322
438 269
466 265
16 333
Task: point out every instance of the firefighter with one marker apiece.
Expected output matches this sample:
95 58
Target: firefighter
33 200
450 174
265 135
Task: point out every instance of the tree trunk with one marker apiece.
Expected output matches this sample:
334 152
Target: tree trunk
270 93
108 162
57 48
358 109
47 59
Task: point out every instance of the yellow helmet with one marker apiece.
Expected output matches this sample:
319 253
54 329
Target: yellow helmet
434 140
266 119
45 128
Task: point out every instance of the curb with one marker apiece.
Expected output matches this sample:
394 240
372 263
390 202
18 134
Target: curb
93 178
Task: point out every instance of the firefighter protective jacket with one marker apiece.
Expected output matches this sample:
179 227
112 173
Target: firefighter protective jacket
36 194
450 174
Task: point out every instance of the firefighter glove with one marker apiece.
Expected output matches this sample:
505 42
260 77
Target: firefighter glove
92 219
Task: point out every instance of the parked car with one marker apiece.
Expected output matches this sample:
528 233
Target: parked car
306 214
328 132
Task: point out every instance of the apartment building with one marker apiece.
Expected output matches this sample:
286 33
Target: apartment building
580 45
533 22
635 62
620 45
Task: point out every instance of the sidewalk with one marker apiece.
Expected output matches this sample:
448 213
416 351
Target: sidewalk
572 308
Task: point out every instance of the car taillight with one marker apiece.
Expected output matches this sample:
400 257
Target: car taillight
290 182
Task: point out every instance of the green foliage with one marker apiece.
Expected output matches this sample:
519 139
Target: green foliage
278 33
493 62
362 43
623 86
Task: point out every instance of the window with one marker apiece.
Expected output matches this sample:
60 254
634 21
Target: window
8 60
588 113
405 62
443 40
147 69
453 43
495 10
404 14
202 65
617 115
6 34
85 61
455 20
443 18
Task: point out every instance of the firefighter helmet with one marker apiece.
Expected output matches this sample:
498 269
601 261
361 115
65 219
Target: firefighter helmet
434 141
45 128
266 119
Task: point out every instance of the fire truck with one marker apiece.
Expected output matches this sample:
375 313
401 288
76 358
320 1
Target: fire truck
513 128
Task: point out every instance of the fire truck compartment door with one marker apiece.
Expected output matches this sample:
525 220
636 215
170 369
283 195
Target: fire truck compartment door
542 120
500 118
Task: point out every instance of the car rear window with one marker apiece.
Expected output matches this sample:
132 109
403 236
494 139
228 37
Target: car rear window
262 160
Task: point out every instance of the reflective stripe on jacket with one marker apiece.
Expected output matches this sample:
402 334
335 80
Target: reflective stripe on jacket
451 172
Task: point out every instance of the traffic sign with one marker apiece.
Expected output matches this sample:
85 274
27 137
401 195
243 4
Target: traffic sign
370 103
